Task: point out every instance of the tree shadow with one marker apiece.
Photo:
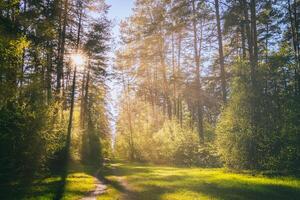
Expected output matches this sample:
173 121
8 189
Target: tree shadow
204 185
43 187
61 186
47 187
225 190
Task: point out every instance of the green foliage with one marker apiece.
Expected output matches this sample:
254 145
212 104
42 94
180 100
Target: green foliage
234 133
193 154
36 38
162 141
266 137
11 51
24 127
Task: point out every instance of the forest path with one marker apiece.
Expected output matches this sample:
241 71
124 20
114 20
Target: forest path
100 189
119 188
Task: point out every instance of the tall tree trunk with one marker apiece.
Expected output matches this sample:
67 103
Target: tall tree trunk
85 117
198 81
267 42
174 78
243 37
179 110
221 54
61 54
254 34
129 117
296 22
73 89
249 38
49 72
295 42
82 101
167 103
24 52
70 123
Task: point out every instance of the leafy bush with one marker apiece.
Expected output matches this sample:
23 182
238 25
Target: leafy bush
162 141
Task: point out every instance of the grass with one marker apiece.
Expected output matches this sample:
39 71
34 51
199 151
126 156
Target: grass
146 182
40 189
78 182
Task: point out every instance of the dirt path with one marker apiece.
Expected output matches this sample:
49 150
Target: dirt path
99 189
119 183
126 192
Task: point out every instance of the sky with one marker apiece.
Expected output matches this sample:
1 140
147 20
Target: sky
119 10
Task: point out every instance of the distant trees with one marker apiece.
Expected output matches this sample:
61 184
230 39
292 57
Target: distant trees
36 40
228 69
164 53
257 104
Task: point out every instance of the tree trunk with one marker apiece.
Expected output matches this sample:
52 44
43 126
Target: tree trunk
68 142
198 81
249 38
60 63
254 33
73 90
221 54
295 42
49 72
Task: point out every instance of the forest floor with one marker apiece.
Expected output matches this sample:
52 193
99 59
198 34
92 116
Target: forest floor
147 182
123 181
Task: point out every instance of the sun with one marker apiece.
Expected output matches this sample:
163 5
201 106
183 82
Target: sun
78 59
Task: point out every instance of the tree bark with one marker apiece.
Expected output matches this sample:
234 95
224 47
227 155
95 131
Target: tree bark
73 91
221 54
70 124
198 80
249 35
254 33
60 63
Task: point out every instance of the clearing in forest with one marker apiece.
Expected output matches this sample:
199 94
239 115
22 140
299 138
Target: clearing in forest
146 182
124 181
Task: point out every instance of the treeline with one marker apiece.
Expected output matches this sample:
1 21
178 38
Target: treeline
37 40
211 83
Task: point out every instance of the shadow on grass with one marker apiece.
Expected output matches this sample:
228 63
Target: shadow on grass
61 185
154 183
254 191
40 188
52 187
180 185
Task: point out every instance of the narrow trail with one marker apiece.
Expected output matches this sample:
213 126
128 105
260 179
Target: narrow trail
102 184
121 184
126 192
99 189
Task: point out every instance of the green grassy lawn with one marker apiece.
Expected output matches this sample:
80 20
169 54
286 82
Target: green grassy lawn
78 182
147 182
143 182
